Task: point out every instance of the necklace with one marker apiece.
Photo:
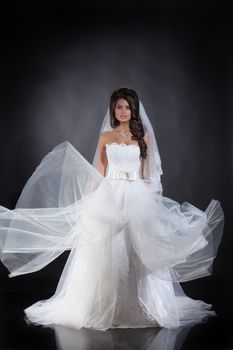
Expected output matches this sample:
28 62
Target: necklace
124 133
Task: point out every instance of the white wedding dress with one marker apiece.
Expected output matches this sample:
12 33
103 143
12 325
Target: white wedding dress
130 248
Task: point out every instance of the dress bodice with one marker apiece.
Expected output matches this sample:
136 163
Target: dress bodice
123 160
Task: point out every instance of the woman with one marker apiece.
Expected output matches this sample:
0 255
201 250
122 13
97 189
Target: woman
130 246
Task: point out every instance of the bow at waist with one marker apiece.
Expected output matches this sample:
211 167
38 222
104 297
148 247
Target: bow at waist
122 175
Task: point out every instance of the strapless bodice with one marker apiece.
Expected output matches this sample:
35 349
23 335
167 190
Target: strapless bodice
123 161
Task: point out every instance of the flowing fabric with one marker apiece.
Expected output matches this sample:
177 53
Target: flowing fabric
57 203
130 247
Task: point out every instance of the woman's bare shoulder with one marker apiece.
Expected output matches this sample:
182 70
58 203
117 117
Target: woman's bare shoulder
106 136
105 133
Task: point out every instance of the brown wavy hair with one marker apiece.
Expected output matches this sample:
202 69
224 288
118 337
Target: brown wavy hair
135 123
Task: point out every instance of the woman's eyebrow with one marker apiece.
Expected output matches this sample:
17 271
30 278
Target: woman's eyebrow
119 105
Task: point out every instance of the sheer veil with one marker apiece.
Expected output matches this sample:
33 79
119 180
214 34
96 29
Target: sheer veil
152 165
57 202
59 209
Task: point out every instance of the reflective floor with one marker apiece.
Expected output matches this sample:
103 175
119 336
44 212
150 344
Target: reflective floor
15 333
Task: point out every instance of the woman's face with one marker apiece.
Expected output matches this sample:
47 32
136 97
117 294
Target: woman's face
122 110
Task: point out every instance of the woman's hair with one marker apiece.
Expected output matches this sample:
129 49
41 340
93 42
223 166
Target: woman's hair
135 123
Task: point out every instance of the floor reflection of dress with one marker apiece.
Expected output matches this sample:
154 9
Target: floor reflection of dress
124 339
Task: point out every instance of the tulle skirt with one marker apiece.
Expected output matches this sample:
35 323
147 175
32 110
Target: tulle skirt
129 248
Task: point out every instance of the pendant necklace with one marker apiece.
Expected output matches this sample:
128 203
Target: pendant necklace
124 133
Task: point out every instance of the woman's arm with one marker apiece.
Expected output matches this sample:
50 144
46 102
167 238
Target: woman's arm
102 161
146 137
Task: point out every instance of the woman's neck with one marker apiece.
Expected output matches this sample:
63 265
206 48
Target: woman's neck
124 126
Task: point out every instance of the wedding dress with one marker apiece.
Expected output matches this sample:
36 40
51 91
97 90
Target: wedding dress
129 247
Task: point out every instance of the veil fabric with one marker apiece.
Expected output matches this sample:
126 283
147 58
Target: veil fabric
54 204
57 203
67 204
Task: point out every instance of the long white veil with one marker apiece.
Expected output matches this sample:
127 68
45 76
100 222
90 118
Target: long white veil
66 199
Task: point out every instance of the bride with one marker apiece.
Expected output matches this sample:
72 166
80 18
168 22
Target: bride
130 246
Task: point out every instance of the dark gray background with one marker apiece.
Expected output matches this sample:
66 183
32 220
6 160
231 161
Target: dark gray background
59 65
